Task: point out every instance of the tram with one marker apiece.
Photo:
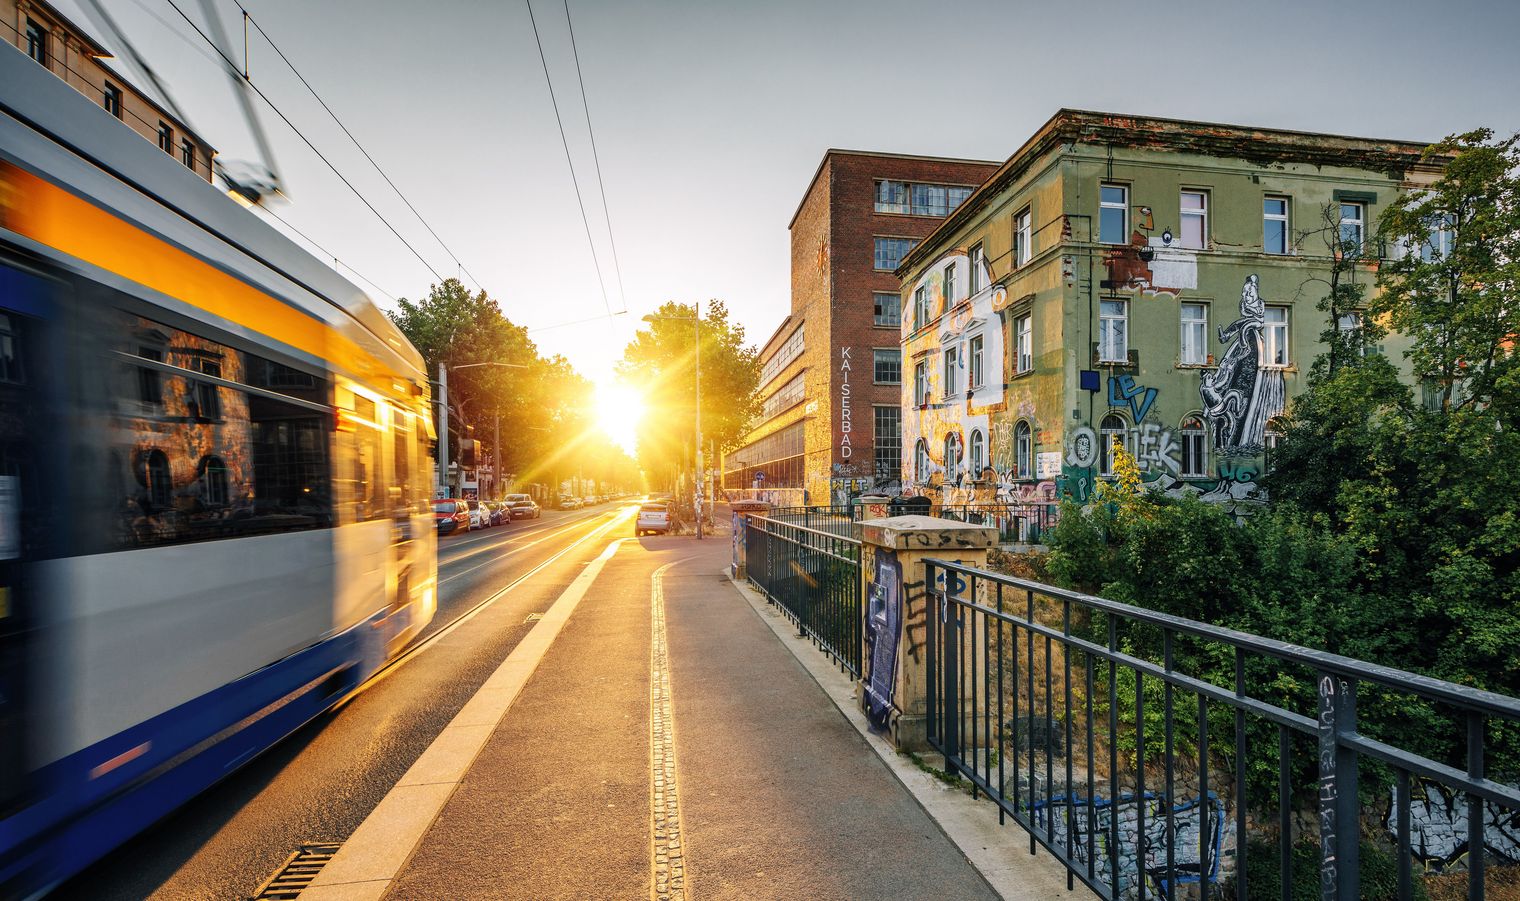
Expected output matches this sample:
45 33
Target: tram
214 483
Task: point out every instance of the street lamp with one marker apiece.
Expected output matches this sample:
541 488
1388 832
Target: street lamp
696 322
443 419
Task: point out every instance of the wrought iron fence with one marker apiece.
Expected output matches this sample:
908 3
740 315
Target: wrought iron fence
813 576
1103 729
1015 522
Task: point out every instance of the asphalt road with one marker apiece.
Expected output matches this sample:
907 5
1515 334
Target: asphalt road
322 781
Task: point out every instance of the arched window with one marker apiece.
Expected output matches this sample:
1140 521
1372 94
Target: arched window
921 461
153 474
213 479
1023 451
1272 437
1112 430
1195 444
952 457
978 453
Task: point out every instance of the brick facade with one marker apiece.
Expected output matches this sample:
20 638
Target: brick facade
833 279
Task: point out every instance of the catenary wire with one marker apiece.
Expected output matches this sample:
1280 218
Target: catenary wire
233 66
359 145
565 141
596 159
325 252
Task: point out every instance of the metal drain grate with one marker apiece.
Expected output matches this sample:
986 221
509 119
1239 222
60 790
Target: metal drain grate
298 872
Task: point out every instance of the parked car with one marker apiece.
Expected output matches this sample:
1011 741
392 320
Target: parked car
652 518
570 503
501 512
480 517
450 516
521 506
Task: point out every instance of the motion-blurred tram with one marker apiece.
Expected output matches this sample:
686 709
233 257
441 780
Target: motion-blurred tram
214 483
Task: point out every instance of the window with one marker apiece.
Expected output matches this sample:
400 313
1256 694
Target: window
1274 225
36 42
208 403
886 366
1195 219
952 371
929 200
165 137
1113 331
921 383
891 197
949 286
978 454
187 152
1110 434
789 351
921 307
1195 334
779 456
1273 437
921 461
1023 341
1194 449
111 100
153 475
11 369
977 262
1350 327
1437 246
956 196
888 309
890 252
888 442
786 397
150 389
952 457
1113 214
1023 451
1023 238
977 371
213 482
1275 337
1353 221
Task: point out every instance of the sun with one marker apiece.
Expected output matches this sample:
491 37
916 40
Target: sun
619 410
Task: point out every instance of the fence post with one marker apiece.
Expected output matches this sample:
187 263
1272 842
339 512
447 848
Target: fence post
895 606
742 510
1340 830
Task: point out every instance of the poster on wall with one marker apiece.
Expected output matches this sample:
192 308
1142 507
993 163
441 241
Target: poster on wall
1047 465
883 628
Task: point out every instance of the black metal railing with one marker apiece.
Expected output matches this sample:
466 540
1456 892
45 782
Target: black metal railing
1015 522
813 576
1104 730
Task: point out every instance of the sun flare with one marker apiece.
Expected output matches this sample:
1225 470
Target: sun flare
619 409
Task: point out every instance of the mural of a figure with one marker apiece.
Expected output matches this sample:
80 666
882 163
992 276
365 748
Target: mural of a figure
1240 396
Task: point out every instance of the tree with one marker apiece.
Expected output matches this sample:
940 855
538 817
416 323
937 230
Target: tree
1348 330
660 361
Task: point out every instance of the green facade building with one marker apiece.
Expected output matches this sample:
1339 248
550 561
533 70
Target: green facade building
1147 281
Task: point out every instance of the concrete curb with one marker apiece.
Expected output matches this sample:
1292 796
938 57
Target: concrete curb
1000 853
371 859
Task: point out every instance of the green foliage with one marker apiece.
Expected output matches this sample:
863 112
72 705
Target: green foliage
1379 873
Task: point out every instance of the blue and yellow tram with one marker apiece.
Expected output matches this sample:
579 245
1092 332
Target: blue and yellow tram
214 477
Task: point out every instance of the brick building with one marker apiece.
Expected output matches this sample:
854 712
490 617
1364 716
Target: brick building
831 372
63 48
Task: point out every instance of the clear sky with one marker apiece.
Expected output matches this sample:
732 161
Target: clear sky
711 116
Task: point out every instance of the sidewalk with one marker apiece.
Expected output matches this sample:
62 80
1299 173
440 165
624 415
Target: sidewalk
774 793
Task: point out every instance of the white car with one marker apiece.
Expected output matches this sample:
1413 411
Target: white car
652 518
480 517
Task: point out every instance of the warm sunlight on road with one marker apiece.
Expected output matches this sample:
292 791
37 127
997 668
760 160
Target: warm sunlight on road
619 409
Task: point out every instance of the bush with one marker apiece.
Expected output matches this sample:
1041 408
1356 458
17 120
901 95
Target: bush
1380 874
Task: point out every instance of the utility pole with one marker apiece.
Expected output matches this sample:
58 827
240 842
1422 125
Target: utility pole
443 430
696 322
496 459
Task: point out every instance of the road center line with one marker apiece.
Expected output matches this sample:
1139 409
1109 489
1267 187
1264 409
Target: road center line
375 854
667 858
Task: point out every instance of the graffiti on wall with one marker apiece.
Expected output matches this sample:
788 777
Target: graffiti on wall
1151 266
1438 827
1122 392
1240 396
882 628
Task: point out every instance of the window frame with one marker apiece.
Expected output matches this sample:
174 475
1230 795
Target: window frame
949 285
111 99
1105 443
1202 328
976 368
921 461
976 454
876 250
1360 221
165 137
876 362
921 383
1104 330
37 38
974 281
1122 206
952 460
920 307
1194 446
950 370
187 153
886 448
1023 342
1269 342
1023 450
880 206
1023 237
1201 213
892 321
1286 218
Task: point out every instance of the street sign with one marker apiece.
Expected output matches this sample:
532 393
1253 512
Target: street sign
759 476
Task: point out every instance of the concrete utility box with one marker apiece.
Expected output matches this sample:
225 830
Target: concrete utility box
893 688
873 506
742 511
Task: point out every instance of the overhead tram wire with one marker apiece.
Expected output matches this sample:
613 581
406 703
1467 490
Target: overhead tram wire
286 119
606 213
327 253
571 163
367 156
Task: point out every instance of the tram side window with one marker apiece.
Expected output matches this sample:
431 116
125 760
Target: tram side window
199 460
